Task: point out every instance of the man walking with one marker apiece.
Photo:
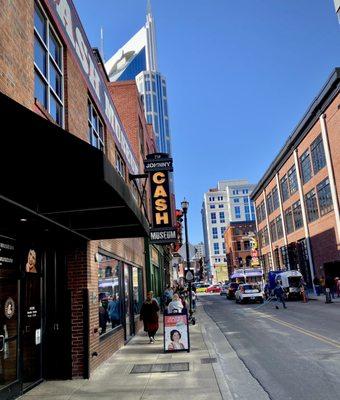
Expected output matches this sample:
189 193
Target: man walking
279 293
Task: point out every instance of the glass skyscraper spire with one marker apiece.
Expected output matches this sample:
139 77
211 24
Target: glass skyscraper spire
137 59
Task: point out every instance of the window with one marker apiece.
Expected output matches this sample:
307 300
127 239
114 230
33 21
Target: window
148 103
245 191
246 209
237 212
222 217
292 179
297 215
246 245
109 293
212 205
137 281
214 233
213 218
147 86
289 220
245 200
324 197
275 197
248 217
95 127
211 198
265 236
223 247
223 228
279 229
48 67
238 246
306 168
318 154
273 233
261 212
284 188
312 206
269 200
235 191
120 165
216 248
220 198
221 206
236 200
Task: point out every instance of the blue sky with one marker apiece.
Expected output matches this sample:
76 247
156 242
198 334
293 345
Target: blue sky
240 75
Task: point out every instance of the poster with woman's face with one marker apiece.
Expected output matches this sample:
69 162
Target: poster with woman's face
176 332
31 263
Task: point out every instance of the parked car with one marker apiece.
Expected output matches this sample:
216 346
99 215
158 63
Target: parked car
213 289
232 287
201 287
249 293
223 291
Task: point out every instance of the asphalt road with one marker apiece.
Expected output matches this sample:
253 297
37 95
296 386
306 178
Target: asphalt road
293 353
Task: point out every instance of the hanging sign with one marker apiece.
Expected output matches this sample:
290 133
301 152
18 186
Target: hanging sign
6 252
176 333
158 166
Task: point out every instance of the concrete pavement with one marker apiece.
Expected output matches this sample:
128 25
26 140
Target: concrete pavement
226 378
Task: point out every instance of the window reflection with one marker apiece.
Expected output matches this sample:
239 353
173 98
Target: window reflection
110 305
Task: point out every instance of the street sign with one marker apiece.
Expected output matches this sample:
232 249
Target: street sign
189 275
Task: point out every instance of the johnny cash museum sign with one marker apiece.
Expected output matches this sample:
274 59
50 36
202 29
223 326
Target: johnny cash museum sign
158 166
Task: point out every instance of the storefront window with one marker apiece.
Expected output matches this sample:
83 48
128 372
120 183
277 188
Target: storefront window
109 294
137 280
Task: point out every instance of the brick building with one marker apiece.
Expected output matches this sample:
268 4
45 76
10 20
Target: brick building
297 199
238 243
73 226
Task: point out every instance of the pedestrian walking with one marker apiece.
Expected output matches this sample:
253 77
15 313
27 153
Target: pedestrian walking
279 293
317 285
338 286
330 286
149 316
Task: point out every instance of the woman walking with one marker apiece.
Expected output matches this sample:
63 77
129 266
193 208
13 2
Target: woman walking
149 316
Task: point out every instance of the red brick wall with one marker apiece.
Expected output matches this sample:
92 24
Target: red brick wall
76 262
16 51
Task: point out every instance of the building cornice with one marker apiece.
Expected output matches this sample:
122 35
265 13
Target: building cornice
318 107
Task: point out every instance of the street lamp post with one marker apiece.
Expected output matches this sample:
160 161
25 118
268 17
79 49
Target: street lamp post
185 206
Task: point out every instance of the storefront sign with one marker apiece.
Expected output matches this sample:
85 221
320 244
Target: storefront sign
158 166
73 33
176 333
6 253
9 308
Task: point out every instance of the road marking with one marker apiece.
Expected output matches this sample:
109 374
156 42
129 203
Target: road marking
306 332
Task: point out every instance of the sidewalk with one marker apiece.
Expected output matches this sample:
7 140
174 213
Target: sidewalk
322 297
222 378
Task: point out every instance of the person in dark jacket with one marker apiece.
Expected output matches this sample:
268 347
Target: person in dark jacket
103 318
149 316
279 293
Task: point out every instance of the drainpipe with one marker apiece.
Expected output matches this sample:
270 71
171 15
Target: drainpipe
324 132
304 217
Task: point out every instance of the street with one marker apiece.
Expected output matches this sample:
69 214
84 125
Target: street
292 353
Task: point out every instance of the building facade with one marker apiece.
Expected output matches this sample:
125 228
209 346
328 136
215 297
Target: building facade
229 202
73 226
239 242
297 198
137 60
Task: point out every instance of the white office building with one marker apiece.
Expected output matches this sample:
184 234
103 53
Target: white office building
229 202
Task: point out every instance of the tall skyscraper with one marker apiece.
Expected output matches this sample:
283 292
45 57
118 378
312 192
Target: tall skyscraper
229 202
137 59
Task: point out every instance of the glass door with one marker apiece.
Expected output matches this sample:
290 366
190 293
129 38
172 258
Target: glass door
129 326
8 332
31 319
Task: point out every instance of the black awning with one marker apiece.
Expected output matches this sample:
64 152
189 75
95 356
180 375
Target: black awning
60 177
